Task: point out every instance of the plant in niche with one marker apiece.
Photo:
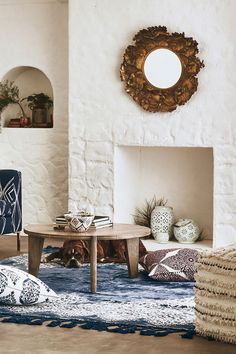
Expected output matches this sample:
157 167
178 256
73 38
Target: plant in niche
40 104
142 215
9 94
39 100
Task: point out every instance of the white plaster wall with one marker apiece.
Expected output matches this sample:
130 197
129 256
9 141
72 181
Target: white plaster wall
34 33
102 114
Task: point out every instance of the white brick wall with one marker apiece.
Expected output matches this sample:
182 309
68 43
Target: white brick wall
102 114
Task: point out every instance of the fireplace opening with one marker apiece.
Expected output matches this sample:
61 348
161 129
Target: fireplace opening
182 175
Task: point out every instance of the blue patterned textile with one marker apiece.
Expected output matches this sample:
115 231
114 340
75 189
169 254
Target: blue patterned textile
121 304
10 202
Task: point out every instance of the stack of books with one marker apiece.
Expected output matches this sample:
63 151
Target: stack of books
61 222
14 123
100 222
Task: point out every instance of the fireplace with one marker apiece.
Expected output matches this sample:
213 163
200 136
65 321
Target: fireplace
182 175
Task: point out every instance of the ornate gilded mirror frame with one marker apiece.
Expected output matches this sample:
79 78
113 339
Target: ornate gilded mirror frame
149 97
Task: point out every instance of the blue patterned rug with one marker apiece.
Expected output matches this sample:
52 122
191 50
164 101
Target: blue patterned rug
121 304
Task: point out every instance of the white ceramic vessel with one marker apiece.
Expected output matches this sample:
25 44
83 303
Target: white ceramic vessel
162 220
186 231
79 222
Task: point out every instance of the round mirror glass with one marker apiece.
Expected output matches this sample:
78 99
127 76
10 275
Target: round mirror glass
162 68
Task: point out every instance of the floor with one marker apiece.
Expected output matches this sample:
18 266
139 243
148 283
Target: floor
26 339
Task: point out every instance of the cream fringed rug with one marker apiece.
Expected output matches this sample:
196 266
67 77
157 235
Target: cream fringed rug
216 295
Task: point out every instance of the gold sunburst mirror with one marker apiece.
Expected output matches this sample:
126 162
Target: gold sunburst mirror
160 69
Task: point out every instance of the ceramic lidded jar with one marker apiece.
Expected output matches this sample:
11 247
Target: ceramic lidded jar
186 231
162 219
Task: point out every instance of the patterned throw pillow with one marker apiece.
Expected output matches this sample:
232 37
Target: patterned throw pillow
176 264
20 288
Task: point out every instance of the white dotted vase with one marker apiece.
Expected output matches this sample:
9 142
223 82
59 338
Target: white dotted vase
162 219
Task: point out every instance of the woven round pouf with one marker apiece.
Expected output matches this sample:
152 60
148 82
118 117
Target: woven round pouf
162 219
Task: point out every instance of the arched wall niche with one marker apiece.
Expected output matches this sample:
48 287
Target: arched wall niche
29 80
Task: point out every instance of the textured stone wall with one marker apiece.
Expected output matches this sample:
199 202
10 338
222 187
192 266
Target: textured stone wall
103 115
34 33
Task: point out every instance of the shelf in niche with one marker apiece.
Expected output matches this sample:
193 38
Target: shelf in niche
153 245
28 128
29 80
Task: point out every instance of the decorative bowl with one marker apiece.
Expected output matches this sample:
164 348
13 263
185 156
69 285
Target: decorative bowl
186 231
79 222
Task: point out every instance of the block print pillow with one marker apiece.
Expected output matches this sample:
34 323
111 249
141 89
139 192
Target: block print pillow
170 264
20 288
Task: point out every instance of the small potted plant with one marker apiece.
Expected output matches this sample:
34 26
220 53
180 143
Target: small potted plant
39 103
9 94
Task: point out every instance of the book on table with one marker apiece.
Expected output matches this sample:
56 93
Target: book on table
95 227
99 218
101 221
61 220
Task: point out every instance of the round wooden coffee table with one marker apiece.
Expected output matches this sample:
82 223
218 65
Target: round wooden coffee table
130 233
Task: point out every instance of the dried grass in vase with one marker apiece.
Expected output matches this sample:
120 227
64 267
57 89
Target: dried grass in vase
142 215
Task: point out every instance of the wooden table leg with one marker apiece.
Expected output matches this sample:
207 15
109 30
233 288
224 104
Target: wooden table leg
132 255
93 264
35 246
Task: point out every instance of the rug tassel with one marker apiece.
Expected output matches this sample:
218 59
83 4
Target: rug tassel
21 320
151 332
188 335
68 325
97 326
122 329
54 323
